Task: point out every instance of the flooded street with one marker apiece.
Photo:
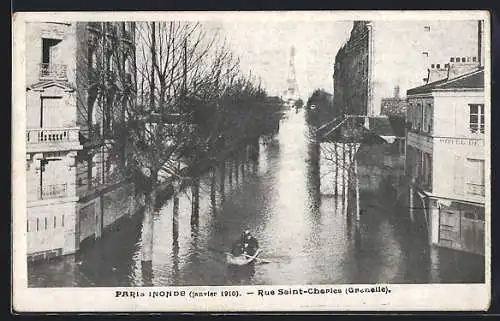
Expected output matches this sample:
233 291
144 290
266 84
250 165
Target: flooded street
306 237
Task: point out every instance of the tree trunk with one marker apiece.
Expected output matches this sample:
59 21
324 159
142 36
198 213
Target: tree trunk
195 200
242 168
213 186
236 167
222 167
175 219
147 229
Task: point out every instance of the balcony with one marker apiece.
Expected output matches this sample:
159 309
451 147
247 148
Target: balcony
52 139
52 191
50 71
475 189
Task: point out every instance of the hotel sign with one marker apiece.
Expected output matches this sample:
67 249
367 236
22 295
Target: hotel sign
462 141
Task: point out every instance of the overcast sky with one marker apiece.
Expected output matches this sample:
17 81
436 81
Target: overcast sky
264 48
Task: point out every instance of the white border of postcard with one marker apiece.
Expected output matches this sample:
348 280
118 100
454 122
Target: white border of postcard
395 297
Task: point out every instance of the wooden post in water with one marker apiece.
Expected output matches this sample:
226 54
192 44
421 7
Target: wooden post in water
356 178
411 202
336 169
344 170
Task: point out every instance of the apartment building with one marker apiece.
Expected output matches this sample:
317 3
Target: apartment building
78 81
382 54
446 154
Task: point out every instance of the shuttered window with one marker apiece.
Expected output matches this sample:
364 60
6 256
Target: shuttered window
475 175
458 172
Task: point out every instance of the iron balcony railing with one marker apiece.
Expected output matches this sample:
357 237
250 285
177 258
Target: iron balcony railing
52 135
53 71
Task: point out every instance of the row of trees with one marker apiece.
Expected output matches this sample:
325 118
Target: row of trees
188 108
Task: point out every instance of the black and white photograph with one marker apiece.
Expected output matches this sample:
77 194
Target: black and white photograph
251 156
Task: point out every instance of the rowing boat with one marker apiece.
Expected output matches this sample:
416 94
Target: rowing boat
242 259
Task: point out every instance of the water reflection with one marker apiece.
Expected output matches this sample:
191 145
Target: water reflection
307 237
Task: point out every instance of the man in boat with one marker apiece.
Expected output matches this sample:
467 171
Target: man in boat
249 243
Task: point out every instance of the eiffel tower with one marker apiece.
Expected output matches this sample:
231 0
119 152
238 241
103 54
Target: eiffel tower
291 94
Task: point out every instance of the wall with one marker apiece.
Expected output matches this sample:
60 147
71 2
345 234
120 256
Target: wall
102 210
34 33
56 114
449 175
451 116
461 227
61 236
351 72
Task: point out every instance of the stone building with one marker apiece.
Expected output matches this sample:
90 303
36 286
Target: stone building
379 54
394 106
445 158
351 72
79 77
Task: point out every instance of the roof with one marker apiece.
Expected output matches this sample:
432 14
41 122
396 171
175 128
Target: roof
381 126
472 80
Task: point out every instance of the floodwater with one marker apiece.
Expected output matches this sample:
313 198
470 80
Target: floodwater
306 238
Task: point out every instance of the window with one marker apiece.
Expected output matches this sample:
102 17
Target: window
27 225
432 66
62 220
418 116
476 118
49 50
427 28
45 223
37 224
457 59
428 118
463 59
54 222
475 176
474 59
427 170
425 53
438 66
452 59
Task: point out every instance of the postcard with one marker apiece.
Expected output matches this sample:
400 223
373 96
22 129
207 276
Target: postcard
251 161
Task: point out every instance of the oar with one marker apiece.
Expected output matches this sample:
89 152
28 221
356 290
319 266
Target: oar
257 258
246 255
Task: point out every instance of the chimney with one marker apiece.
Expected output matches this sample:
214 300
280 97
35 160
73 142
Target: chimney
461 68
396 91
436 72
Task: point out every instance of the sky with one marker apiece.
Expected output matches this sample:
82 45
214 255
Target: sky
264 49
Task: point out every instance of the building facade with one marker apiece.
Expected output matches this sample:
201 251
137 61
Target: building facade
78 83
351 74
382 54
445 158
394 106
